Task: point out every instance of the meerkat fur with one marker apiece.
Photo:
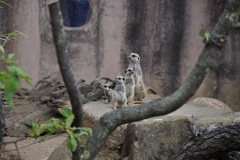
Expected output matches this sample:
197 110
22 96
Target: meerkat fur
108 92
140 89
120 90
130 87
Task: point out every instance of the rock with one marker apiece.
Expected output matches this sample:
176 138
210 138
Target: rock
162 137
57 153
41 115
32 149
92 113
210 102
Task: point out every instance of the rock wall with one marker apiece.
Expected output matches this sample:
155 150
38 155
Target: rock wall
164 33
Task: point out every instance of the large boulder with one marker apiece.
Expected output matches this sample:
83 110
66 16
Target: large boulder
162 137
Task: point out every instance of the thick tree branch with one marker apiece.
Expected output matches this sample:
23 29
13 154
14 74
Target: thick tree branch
110 121
210 142
2 122
63 61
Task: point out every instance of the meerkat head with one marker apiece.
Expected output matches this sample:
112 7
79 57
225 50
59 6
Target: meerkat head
134 58
129 71
120 79
106 87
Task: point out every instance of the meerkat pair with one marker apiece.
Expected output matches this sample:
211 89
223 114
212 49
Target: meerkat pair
140 89
118 95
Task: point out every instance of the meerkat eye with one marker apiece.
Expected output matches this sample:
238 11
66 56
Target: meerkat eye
129 70
133 56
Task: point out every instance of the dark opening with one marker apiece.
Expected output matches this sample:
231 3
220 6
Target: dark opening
75 13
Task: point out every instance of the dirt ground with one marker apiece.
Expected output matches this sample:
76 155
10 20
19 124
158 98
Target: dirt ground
18 128
43 102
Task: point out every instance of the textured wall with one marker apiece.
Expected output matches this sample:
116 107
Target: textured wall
163 32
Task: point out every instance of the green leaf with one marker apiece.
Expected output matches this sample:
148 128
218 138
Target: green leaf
66 112
8 95
78 135
3 52
207 36
69 121
36 130
2 86
44 137
202 32
88 130
13 83
3 76
20 72
9 57
72 144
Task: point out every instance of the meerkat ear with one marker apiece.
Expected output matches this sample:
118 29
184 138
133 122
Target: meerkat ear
123 79
139 58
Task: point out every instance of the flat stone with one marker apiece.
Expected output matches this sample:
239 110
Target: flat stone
31 148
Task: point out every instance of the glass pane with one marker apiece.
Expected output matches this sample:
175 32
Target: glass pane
76 13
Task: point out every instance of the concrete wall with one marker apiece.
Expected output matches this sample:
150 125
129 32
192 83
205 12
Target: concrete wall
163 32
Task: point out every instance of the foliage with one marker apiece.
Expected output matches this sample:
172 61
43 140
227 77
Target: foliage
204 33
10 80
58 126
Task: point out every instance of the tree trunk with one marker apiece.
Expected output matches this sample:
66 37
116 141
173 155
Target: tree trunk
2 123
63 61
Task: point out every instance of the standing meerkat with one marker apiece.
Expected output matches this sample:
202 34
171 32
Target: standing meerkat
140 89
109 93
130 87
120 90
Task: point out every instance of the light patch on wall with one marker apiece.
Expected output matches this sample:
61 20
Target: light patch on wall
76 13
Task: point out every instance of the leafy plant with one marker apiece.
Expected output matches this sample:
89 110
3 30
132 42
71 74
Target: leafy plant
58 126
10 80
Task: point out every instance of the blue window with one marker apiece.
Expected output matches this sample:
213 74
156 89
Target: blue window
76 13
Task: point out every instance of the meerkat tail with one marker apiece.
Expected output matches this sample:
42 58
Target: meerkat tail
151 90
135 102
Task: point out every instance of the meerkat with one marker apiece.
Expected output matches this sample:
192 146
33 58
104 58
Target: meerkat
120 90
109 93
140 89
130 87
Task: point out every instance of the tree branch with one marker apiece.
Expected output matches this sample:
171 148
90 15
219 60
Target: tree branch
109 121
210 142
63 61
